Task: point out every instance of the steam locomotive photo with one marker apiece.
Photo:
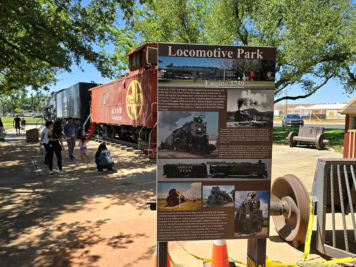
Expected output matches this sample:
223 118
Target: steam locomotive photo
226 169
249 217
191 137
216 170
174 198
248 109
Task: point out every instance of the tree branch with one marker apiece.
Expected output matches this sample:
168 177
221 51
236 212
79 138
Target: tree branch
304 96
349 72
244 38
27 52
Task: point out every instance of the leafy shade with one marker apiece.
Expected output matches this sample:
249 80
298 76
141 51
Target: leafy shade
315 40
39 38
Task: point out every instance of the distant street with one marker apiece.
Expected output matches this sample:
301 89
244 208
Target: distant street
325 125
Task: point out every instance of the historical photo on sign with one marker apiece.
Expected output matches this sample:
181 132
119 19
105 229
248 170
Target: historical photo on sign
251 213
215 72
187 134
213 168
250 108
218 196
179 196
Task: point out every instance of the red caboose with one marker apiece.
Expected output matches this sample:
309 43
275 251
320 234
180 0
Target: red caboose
127 107
350 129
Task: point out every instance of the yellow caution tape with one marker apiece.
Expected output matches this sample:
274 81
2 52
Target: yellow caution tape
309 231
272 263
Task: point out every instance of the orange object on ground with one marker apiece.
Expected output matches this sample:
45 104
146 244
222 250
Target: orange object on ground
220 257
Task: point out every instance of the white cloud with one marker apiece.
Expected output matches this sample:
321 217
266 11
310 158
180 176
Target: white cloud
264 207
194 190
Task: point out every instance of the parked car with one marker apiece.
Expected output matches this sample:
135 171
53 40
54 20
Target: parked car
292 120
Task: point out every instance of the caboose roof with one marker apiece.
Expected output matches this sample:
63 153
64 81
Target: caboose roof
139 48
350 108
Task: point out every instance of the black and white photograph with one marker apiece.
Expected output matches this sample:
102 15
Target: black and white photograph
249 108
215 72
209 168
251 213
218 196
187 134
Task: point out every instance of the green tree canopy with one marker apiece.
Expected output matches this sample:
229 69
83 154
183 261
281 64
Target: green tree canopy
315 39
39 38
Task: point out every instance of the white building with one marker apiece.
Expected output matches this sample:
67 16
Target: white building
328 111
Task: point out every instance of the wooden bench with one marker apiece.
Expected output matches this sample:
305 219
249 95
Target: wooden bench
308 135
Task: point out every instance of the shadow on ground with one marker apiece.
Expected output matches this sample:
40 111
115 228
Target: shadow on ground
30 203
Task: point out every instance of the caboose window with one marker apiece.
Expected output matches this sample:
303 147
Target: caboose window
352 122
135 59
104 99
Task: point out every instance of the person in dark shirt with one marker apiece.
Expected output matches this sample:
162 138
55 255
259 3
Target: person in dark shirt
17 124
2 129
23 124
55 146
103 159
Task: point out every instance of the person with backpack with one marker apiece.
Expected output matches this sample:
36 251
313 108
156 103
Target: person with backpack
103 159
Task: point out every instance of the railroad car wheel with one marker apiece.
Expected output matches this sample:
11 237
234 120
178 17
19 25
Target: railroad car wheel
292 215
320 141
291 141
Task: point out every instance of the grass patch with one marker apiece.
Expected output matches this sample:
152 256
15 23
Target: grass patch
335 137
185 206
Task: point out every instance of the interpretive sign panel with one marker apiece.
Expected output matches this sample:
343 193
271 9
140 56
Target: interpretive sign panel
214 127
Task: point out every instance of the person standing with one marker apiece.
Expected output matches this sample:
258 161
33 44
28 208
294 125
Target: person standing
23 124
2 129
55 146
16 123
44 139
70 132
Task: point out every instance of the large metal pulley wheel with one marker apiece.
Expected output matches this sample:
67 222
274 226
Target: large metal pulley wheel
289 209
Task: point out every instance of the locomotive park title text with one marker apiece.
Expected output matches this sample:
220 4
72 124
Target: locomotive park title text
215 53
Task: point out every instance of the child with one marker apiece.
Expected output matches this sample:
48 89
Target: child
83 149
103 159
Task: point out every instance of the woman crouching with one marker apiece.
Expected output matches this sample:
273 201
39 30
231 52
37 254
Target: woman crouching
103 159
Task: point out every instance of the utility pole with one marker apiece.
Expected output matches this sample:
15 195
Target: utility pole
286 100
310 110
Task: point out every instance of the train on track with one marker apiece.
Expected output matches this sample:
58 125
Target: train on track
122 109
216 170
